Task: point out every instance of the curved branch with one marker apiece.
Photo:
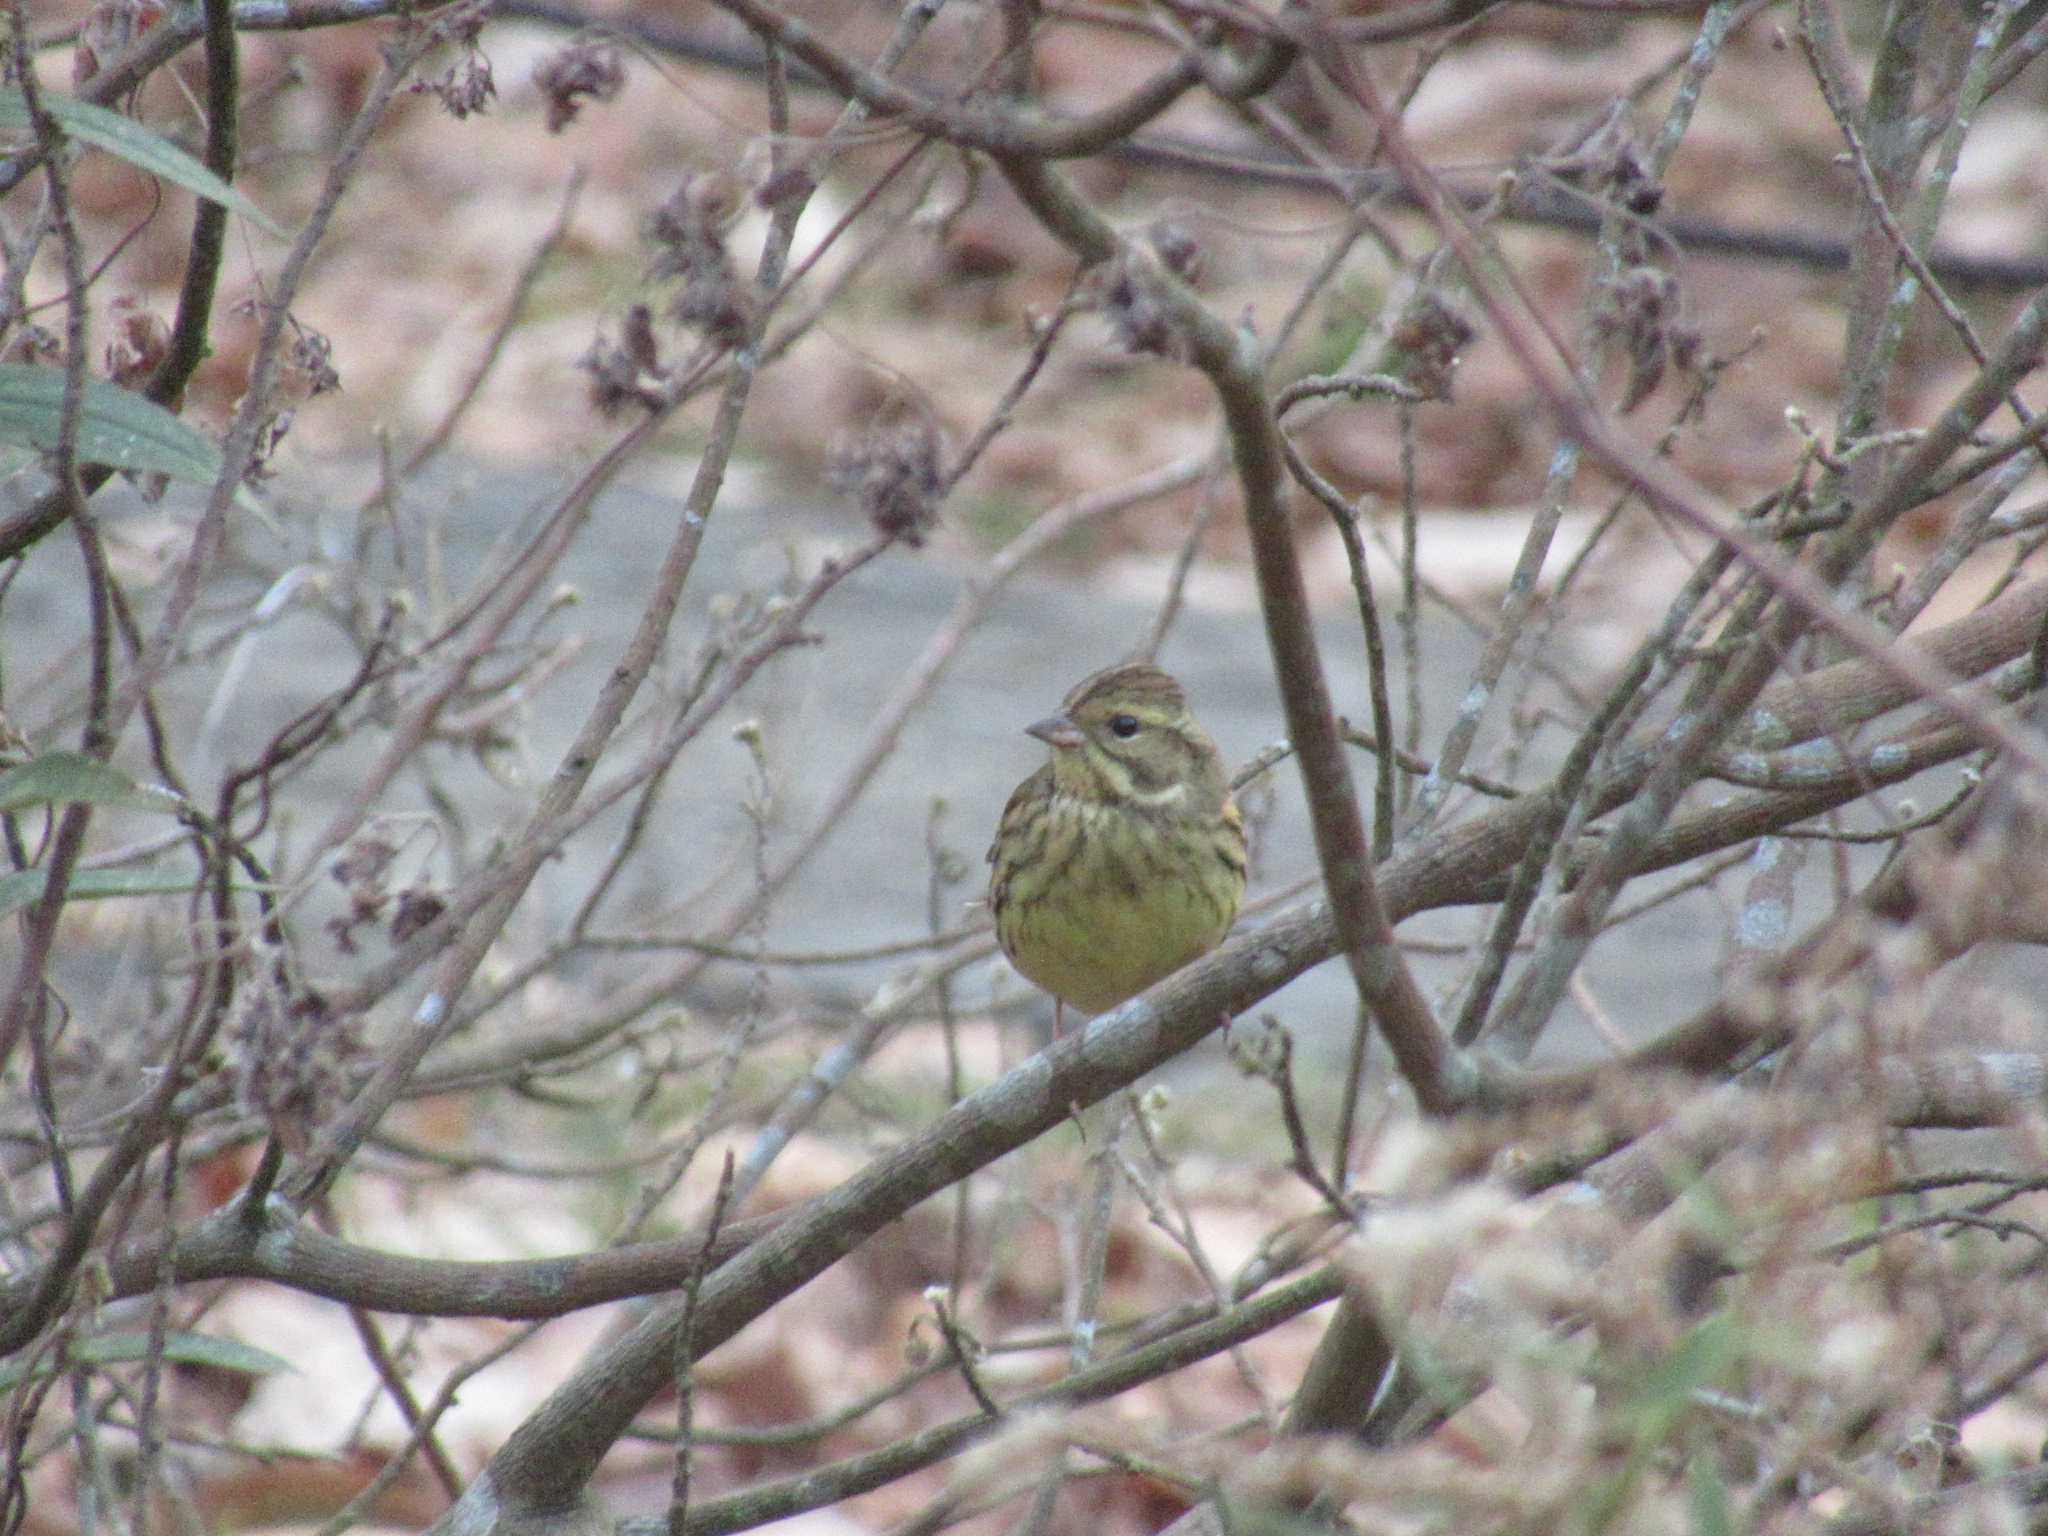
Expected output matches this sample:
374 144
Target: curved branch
1233 366
286 1251
1462 865
1003 128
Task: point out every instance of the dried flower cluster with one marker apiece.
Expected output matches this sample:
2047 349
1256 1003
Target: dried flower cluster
586 70
895 470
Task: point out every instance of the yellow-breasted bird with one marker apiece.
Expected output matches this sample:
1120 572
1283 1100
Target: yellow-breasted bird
1123 858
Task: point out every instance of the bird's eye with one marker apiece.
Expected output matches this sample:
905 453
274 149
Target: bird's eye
1125 726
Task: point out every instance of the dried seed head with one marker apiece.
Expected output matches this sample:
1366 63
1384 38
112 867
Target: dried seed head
1178 250
466 86
1640 312
895 469
308 365
292 1060
109 30
463 89
1133 299
628 371
32 344
688 235
586 69
140 340
417 908
1423 348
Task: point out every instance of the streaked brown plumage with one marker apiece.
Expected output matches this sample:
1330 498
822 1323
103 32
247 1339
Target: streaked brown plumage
1123 858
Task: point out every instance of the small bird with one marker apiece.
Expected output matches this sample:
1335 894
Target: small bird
1123 858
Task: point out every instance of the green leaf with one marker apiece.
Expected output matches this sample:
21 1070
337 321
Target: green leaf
116 427
1699 1359
125 137
25 886
59 778
1706 1496
180 1346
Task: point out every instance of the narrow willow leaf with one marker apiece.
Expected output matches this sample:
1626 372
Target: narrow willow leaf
121 1348
125 137
116 427
24 887
1707 1500
58 778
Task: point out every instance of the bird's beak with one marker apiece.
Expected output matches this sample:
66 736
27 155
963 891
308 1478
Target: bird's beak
1056 731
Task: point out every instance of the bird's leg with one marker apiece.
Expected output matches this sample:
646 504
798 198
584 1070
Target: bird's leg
1059 1020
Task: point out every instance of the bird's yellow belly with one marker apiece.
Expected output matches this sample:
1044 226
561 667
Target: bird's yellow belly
1098 942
